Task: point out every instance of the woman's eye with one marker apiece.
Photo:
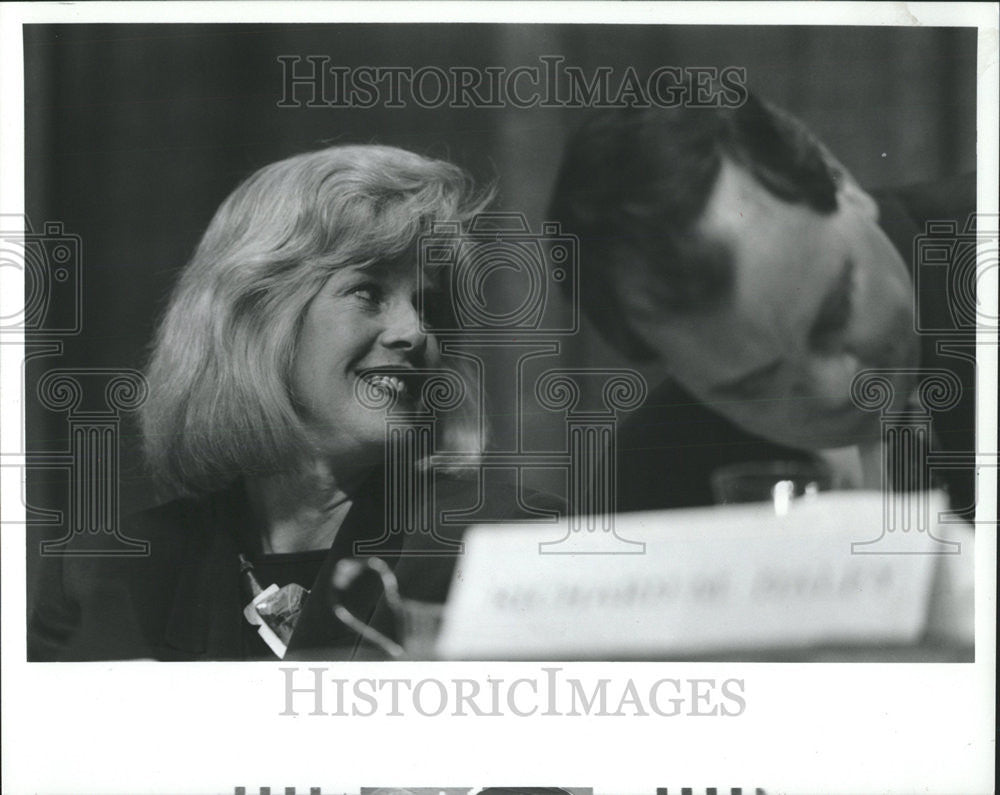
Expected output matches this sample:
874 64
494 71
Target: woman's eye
370 293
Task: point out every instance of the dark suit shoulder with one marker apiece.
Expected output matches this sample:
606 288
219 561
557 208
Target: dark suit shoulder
169 532
949 199
670 446
99 599
498 496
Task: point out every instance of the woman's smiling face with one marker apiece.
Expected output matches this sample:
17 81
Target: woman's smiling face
362 318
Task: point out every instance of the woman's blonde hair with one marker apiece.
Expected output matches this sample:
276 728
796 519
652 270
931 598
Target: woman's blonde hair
219 401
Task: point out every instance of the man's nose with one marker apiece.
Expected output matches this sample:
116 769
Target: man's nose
403 328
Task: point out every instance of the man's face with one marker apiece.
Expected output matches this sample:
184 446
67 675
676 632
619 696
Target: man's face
816 298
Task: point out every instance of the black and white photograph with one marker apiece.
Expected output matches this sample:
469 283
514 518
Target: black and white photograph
419 383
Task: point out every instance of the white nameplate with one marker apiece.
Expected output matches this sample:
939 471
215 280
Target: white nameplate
709 580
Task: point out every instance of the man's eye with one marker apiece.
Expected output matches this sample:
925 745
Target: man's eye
833 316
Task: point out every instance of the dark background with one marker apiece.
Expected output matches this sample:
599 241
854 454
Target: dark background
135 133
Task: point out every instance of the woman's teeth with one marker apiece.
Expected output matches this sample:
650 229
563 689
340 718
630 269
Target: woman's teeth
388 383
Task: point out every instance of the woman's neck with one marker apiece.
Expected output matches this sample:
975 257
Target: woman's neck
303 511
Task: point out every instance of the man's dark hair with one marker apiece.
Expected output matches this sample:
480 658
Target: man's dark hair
635 181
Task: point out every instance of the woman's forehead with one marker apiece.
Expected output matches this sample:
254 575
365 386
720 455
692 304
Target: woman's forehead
387 269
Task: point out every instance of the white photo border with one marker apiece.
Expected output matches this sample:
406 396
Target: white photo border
199 728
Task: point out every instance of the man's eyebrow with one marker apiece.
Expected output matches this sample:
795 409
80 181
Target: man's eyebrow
741 383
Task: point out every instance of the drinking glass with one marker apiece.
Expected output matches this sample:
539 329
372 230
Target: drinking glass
776 482
419 622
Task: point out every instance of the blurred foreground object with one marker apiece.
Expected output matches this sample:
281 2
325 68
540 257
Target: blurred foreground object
777 482
418 623
732 582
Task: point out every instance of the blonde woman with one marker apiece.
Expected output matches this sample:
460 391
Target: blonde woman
303 296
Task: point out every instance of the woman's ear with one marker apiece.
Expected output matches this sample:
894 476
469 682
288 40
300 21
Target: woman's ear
851 194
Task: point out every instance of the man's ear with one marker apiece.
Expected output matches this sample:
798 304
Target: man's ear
851 194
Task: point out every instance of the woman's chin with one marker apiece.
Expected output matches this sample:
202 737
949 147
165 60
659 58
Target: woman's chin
359 449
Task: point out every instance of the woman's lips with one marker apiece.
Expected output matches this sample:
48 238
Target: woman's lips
401 381
388 383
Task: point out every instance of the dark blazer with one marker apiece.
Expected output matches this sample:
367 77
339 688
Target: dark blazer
184 601
669 447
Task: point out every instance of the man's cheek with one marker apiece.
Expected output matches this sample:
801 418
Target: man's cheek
887 339
757 416
831 379
888 307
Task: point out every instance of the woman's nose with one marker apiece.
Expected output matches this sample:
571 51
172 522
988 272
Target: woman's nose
403 328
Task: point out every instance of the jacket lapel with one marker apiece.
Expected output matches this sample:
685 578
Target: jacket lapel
205 617
319 634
